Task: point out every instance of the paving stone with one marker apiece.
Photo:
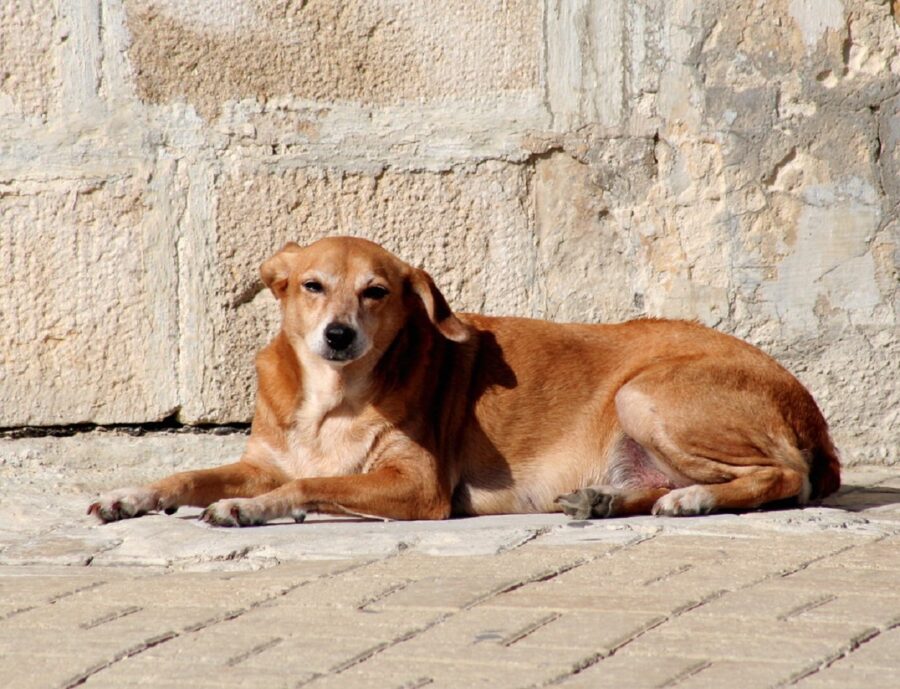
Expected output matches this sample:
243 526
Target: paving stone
840 677
619 671
654 603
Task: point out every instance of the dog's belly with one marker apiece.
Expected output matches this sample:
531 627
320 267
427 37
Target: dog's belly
527 486
533 485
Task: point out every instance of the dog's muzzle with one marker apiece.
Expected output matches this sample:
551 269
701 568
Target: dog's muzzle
340 339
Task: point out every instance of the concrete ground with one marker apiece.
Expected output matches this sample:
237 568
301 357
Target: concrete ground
796 598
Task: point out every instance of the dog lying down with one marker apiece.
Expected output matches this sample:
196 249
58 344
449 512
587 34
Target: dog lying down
375 399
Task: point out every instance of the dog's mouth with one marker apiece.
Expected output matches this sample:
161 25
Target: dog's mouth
339 356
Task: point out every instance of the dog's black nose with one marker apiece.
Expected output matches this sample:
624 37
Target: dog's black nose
339 336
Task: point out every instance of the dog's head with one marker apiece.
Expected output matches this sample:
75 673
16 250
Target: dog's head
344 297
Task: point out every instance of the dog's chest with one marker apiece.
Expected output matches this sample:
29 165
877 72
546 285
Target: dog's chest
336 445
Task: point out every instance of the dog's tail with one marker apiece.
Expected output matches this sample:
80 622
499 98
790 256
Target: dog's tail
824 469
813 441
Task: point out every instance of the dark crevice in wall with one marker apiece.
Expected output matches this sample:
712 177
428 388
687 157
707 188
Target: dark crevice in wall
170 424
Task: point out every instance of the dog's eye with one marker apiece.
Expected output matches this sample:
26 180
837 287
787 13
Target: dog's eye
313 286
375 293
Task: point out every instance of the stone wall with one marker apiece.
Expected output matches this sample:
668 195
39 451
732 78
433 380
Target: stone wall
734 161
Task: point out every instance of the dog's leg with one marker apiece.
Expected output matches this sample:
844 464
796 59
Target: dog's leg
387 493
763 484
197 488
732 445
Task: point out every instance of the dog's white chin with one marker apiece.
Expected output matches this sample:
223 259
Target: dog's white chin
337 359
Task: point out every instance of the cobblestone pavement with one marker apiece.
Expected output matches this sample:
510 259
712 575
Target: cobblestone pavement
794 598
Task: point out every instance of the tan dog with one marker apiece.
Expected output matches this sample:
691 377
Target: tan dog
376 399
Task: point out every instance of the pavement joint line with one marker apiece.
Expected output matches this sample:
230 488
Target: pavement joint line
379 648
806 607
830 659
532 536
595 658
545 575
157 640
256 650
52 600
529 629
668 575
790 571
591 660
145 645
381 595
687 673
110 617
80 589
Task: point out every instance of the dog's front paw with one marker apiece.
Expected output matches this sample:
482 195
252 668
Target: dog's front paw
589 503
124 503
235 512
685 502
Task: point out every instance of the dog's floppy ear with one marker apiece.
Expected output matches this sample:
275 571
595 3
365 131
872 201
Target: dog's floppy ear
276 270
436 307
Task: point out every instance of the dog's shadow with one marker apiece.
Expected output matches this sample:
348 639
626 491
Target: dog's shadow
853 498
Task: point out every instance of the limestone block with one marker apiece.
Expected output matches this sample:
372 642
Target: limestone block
87 308
586 267
29 36
376 53
470 228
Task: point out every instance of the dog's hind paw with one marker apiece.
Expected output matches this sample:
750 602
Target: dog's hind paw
685 502
125 503
234 512
589 503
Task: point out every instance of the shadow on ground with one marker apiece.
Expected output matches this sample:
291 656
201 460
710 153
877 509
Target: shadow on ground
856 498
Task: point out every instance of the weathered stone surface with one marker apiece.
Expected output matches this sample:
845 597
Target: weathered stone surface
730 160
29 35
88 314
367 52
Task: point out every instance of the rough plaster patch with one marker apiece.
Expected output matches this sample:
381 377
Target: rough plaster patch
815 17
574 229
828 237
